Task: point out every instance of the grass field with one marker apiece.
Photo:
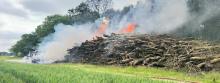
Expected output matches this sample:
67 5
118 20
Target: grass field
83 73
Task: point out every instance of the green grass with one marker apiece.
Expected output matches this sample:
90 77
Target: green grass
51 74
62 73
2 58
84 73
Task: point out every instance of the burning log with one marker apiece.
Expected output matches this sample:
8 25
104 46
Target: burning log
102 28
129 29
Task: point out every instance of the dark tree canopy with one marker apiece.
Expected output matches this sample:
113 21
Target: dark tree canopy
100 5
26 44
83 14
48 25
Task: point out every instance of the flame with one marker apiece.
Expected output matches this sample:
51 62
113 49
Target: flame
129 29
102 28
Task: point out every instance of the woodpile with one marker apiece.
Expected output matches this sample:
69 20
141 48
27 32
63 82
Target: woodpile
145 50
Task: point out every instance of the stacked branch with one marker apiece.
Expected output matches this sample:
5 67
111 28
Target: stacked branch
145 50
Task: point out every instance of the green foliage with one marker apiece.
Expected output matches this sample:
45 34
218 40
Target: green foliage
48 25
82 14
26 44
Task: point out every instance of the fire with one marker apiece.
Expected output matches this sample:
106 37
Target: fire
129 29
104 25
102 28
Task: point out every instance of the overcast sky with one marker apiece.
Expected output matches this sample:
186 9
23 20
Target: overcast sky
18 17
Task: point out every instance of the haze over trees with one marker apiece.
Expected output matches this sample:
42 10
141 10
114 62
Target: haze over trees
79 15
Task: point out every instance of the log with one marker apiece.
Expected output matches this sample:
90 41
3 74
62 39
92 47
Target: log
126 61
217 60
138 61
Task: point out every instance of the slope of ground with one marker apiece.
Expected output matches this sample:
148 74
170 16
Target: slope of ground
83 73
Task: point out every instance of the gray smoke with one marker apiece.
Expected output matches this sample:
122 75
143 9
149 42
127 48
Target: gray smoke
201 11
155 16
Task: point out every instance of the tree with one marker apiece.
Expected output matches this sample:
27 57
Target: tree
83 14
196 6
99 5
113 13
48 25
25 45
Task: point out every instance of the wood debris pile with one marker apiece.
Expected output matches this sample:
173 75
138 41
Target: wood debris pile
146 50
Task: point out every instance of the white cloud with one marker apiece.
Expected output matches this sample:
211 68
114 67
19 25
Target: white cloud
1 24
7 39
50 6
9 8
13 27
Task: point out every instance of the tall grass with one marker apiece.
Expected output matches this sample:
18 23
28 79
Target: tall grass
29 73
84 73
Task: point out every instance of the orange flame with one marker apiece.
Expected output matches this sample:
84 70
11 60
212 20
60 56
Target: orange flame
129 29
102 28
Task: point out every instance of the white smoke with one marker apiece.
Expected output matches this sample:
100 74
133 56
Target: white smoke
54 47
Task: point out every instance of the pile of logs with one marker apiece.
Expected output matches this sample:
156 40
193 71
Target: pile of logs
145 50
